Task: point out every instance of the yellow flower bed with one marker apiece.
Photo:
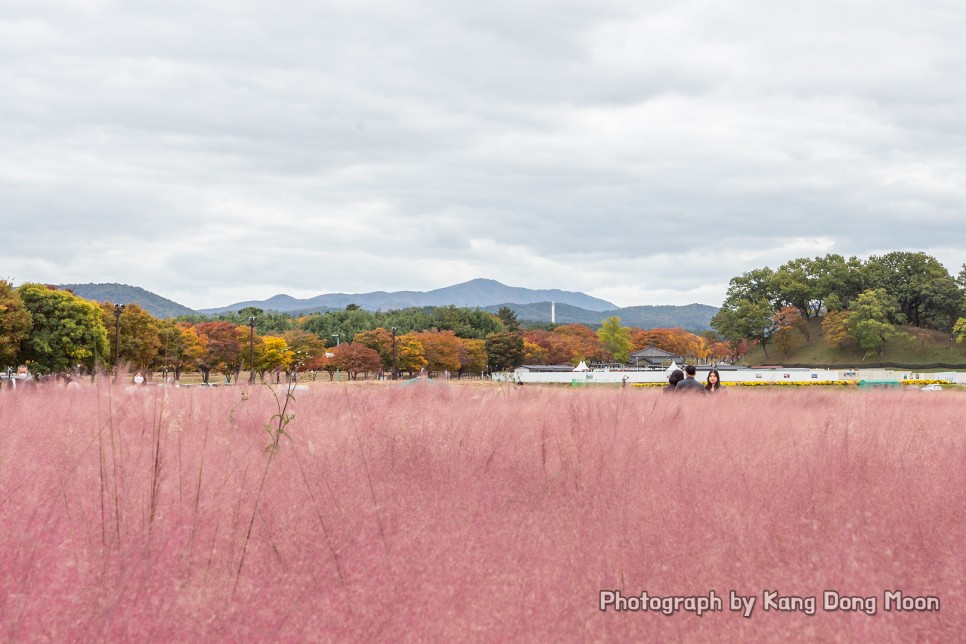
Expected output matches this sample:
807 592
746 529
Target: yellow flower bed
802 383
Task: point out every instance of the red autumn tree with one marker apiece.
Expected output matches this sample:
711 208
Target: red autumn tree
355 359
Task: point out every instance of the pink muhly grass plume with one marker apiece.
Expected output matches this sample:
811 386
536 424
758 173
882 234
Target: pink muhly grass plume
439 512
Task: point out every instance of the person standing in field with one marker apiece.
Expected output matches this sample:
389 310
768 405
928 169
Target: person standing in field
689 383
713 385
676 376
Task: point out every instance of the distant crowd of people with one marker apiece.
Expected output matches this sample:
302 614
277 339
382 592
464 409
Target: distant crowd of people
685 381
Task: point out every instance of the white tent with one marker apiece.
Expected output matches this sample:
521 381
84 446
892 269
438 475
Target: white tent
671 369
582 367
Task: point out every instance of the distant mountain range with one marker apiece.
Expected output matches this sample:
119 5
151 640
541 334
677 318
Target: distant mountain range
154 304
530 305
478 292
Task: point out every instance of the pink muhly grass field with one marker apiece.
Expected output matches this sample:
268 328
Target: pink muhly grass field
435 512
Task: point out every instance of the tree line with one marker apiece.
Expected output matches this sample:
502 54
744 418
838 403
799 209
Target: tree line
52 330
859 303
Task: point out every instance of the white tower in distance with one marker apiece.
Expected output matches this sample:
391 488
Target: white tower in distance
553 312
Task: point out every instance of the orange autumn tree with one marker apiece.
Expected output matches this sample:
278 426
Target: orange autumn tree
442 350
582 342
223 347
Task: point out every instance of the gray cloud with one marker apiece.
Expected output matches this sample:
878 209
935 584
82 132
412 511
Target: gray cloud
642 152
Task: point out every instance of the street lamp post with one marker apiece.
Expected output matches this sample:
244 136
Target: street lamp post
336 336
393 329
251 350
117 338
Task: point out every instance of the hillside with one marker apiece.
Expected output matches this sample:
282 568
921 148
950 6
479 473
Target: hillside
154 304
921 347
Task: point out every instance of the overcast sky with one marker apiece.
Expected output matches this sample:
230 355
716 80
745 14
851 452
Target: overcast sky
642 152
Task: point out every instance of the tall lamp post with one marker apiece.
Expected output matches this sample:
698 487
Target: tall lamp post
251 350
336 336
117 338
393 329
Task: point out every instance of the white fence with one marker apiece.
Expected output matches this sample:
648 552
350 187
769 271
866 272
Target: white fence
617 376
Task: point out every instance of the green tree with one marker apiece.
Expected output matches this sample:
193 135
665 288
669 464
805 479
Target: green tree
615 339
925 293
795 284
465 322
504 350
868 320
346 324
745 320
755 286
15 323
838 281
66 330
509 319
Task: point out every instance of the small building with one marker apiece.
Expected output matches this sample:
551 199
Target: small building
651 356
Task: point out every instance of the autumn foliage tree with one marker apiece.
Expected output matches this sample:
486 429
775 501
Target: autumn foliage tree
272 355
472 356
380 341
15 323
180 347
223 348
558 348
791 328
582 342
305 347
674 340
140 335
355 359
410 354
442 350
533 353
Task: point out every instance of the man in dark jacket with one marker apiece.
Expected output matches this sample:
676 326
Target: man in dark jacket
689 383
